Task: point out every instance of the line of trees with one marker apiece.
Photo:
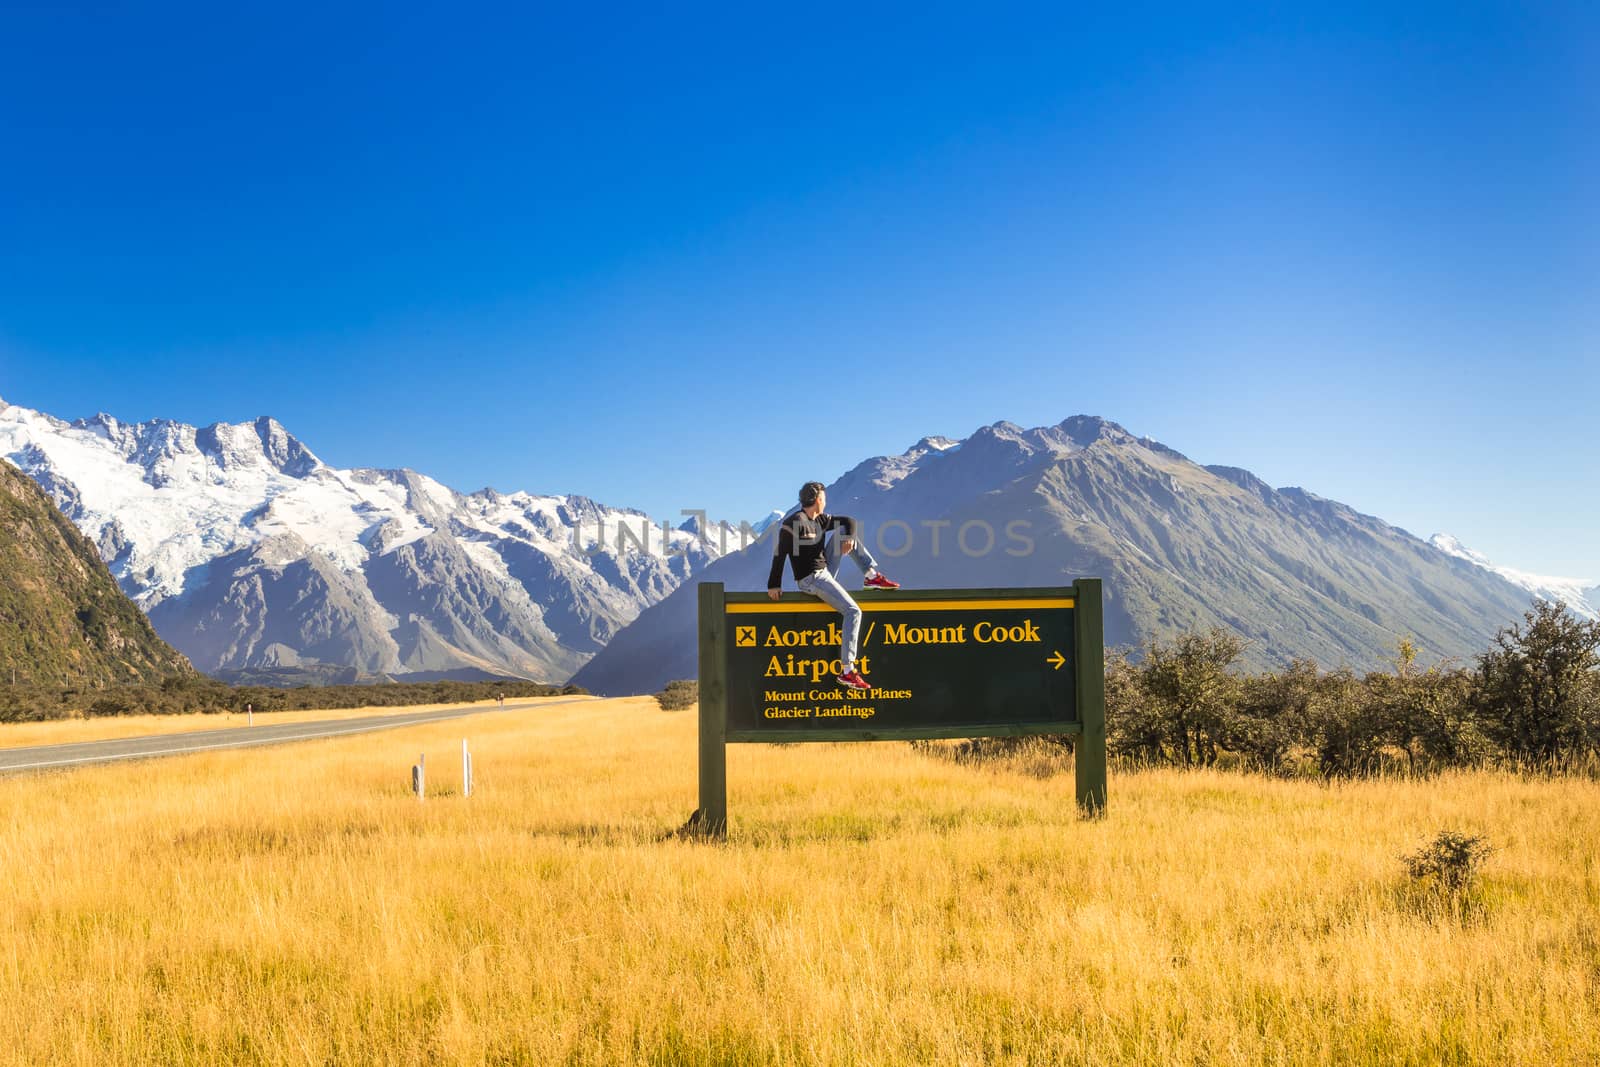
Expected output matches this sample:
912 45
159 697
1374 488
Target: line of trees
197 693
1531 701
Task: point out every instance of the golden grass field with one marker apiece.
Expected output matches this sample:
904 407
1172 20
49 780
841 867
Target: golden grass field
874 904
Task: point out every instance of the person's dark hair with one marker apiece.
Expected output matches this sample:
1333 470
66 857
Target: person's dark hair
808 493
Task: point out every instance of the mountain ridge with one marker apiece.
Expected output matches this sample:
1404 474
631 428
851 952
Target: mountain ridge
1180 548
248 551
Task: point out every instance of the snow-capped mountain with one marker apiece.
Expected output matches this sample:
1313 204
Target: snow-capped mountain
1581 595
761 525
247 550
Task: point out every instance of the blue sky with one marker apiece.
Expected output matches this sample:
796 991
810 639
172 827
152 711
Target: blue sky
635 253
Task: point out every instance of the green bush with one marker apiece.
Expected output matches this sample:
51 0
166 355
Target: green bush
1533 702
1449 864
683 693
1538 689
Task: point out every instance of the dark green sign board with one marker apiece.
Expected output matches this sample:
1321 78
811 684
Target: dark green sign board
941 662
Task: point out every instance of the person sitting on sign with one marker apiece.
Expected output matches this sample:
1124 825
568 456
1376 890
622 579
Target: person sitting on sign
815 557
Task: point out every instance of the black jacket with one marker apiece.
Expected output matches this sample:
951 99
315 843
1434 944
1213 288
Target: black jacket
801 539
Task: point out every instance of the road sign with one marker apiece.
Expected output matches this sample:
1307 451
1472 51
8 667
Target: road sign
941 663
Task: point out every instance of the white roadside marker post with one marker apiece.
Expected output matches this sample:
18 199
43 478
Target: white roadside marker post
466 769
419 772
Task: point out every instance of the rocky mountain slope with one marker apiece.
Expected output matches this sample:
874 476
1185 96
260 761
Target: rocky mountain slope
249 552
1180 547
63 621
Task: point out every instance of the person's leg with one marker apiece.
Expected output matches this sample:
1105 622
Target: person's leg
858 552
826 587
862 557
872 577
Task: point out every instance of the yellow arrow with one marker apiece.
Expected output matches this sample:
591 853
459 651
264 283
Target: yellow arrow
1057 658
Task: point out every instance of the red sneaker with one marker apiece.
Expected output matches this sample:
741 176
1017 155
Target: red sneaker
878 581
852 680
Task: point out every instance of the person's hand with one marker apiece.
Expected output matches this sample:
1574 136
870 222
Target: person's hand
848 545
775 594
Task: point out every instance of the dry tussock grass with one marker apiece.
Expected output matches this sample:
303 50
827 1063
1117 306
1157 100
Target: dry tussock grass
873 904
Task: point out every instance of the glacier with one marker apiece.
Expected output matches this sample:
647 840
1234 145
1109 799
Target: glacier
247 550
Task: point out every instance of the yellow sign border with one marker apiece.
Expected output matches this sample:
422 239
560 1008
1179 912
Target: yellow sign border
780 607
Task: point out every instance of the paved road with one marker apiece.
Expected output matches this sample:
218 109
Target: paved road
45 757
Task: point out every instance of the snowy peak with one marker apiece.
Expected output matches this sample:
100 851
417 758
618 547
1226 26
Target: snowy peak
761 525
173 453
247 549
1448 544
264 442
1579 594
932 445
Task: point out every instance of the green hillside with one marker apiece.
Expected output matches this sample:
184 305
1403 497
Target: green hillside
63 620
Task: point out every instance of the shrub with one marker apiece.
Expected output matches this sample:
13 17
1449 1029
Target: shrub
1434 713
1350 725
1450 863
683 693
1274 717
1179 706
113 703
1538 688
